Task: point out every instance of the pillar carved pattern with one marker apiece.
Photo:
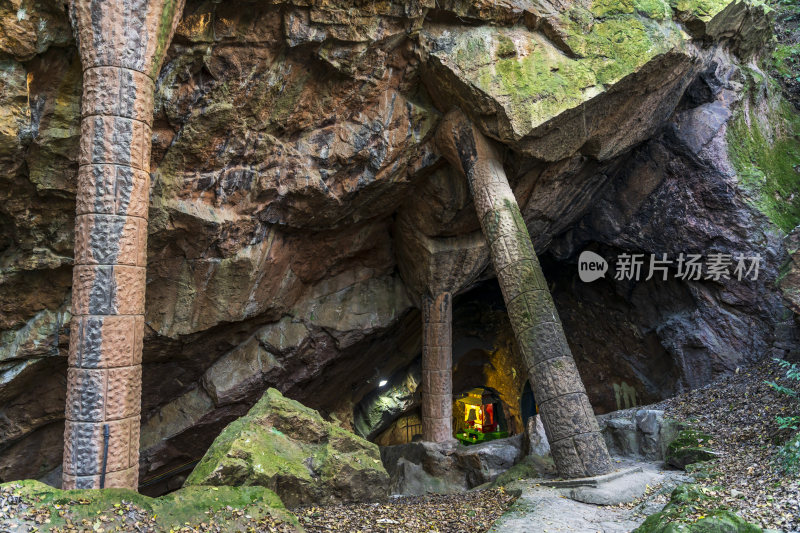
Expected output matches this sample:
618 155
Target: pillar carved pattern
577 446
437 368
122 44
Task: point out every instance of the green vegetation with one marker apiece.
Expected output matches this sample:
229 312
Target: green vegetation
473 436
786 60
790 453
785 57
703 10
764 147
236 507
608 42
695 509
287 447
690 446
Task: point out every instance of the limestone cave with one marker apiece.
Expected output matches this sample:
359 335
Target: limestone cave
383 266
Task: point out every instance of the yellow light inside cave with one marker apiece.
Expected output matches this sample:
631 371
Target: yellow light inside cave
474 414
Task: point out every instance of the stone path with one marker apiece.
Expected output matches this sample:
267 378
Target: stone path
549 510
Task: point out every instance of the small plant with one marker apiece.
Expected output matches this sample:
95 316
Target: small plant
790 453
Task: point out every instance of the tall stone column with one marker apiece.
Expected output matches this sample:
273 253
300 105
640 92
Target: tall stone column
122 44
437 368
577 446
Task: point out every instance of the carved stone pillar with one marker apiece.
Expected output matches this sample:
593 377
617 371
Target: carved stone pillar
437 368
122 44
578 447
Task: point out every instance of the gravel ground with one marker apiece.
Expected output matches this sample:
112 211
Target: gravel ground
739 412
467 512
27 515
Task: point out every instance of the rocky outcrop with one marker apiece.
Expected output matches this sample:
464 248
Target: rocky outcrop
380 408
689 447
284 446
297 204
639 433
689 190
423 467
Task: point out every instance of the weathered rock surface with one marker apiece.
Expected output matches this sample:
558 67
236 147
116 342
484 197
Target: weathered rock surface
639 433
421 467
535 437
298 207
485 354
698 187
382 406
689 447
711 518
284 446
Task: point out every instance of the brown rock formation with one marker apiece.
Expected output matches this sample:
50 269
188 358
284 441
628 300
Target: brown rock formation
122 45
575 440
298 211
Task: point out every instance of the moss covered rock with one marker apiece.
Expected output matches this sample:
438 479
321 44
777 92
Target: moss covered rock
231 508
764 146
692 509
690 446
289 448
602 62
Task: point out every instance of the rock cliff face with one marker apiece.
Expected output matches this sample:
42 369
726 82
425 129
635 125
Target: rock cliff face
299 208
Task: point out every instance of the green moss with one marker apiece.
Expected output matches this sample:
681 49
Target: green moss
690 438
185 506
703 10
290 448
505 47
251 455
689 447
688 502
163 33
541 85
189 503
603 8
764 147
654 9
536 81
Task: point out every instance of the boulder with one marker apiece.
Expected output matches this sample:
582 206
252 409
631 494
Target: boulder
638 433
422 467
289 448
689 447
688 500
484 462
